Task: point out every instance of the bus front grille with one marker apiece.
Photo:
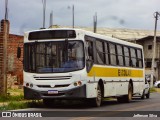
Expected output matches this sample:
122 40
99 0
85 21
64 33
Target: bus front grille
52 78
59 94
56 86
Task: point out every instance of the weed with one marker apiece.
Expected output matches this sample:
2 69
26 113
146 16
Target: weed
9 98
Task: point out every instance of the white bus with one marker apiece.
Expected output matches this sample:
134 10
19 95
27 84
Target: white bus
77 64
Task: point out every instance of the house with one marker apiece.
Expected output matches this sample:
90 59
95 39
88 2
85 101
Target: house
147 43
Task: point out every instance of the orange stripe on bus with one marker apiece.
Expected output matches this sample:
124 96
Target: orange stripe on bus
115 72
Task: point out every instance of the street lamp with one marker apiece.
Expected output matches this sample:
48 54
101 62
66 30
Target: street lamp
156 15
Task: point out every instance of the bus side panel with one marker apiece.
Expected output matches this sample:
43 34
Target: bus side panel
91 90
122 87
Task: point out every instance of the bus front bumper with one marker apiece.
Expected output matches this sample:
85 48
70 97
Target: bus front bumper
75 93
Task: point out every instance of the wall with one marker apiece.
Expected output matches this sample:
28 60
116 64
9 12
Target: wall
148 55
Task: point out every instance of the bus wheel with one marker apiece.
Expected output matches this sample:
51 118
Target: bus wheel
130 92
143 95
128 98
120 99
98 100
148 94
48 102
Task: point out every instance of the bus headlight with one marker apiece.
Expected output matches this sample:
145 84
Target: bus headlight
31 85
78 83
27 84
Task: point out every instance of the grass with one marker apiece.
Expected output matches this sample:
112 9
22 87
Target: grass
154 90
15 92
12 95
14 105
15 100
9 98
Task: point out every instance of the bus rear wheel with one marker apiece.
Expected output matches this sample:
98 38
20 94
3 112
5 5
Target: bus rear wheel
148 94
126 98
98 100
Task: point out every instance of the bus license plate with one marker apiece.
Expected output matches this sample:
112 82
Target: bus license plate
52 92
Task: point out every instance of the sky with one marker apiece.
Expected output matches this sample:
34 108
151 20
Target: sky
25 15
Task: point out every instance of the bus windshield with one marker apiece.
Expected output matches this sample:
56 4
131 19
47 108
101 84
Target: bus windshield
53 57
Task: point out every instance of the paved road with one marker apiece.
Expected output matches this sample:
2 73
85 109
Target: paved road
111 108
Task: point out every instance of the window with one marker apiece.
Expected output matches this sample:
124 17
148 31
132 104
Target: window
100 53
139 59
90 52
120 55
148 64
106 53
133 57
126 54
112 54
53 57
149 47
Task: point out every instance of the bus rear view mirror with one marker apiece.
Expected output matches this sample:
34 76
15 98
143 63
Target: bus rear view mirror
18 52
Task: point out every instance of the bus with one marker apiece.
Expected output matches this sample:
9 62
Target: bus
65 63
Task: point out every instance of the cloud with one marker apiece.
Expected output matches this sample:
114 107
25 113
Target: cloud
133 14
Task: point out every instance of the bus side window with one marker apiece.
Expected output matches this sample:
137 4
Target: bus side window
133 57
90 58
140 58
126 54
120 55
90 50
112 50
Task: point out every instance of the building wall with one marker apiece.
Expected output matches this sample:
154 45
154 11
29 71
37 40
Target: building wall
148 54
13 63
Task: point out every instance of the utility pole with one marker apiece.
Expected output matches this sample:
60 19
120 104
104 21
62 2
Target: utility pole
73 16
156 15
5 56
95 23
51 19
69 7
6 9
44 12
3 51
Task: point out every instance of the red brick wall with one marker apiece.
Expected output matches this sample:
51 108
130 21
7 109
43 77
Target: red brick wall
13 42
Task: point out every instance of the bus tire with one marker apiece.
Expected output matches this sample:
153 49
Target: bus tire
143 95
48 102
120 99
127 98
98 100
130 93
148 94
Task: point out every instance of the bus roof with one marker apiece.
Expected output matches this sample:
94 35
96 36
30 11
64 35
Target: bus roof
96 35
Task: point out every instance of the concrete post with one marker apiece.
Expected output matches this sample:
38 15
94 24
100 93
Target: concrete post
3 56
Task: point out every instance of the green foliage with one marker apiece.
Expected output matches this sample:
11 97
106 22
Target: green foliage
9 98
154 90
21 105
14 105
